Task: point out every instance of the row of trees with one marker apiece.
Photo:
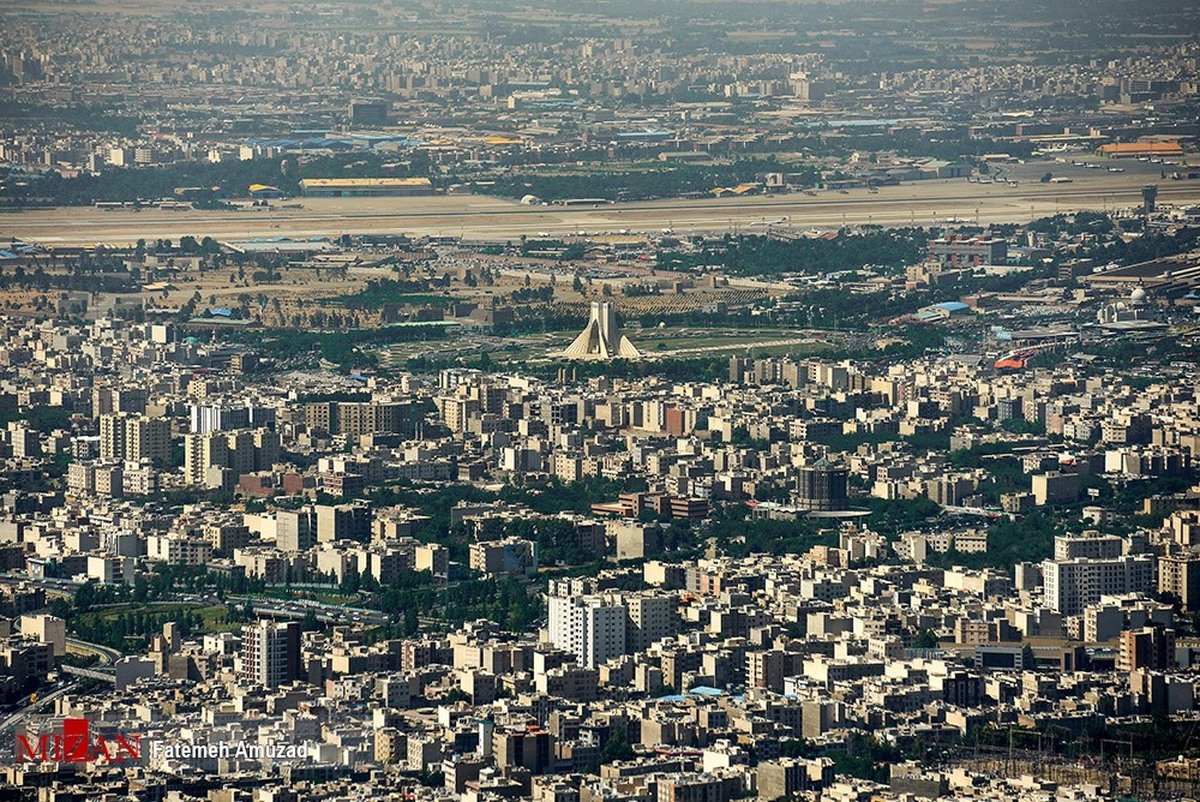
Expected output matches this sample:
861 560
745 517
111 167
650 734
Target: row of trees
161 583
379 292
642 184
117 631
739 536
348 349
508 601
235 177
760 255
80 278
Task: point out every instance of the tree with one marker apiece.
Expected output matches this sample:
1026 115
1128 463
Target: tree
350 582
455 695
925 639
85 597
310 622
617 748
61 608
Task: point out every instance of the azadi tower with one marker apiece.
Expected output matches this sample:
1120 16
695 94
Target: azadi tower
602 337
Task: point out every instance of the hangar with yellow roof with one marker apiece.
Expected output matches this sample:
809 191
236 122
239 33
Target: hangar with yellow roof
364 187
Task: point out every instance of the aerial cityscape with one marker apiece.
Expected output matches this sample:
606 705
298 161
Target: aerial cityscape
586 402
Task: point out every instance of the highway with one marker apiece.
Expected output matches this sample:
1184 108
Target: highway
64 588
290 608
12 720
106 656
325 613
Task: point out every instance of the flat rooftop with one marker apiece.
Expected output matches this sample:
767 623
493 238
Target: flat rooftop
359 183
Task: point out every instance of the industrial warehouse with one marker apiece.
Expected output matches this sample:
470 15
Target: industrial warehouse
365 187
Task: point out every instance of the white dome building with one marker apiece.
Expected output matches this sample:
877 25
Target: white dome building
1133 314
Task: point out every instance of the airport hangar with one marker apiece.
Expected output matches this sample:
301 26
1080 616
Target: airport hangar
365 187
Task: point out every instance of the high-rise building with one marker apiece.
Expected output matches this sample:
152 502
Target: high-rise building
296 530
821 487
650 619
266 449
148 438
240 451
226 417
134 437
112 437
689 787
271 652
129 400
1151 648
356 418
956 252
370 112
343 522
532 749
1054 487
200 452
790 777
46 628
321 415
1090 544
1071 585
215 417
1179 575
390 745
591 627
102 401
510 555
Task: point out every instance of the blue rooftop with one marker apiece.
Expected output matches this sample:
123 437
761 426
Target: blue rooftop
706 690
699 690
952 306
646 135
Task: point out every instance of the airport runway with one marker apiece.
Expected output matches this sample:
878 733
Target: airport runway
479 217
